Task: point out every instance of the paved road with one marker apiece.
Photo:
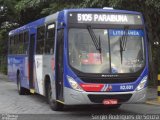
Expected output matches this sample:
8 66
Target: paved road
12 103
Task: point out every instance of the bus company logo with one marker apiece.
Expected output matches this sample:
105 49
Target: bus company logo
109 75
107 88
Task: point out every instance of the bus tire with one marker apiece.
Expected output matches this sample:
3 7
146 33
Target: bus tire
54 105
21 90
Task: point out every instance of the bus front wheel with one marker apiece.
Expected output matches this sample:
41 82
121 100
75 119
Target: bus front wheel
56 106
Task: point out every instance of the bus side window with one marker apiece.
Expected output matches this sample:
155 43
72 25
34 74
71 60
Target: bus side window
15 46
21 44
50 39
40 40
26 40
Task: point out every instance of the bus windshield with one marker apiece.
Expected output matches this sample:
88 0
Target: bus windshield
86 58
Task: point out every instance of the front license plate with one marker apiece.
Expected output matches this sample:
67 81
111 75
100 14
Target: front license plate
110 101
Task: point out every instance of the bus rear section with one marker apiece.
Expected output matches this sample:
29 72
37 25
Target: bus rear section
105 57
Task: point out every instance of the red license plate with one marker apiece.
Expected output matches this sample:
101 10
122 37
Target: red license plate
110 101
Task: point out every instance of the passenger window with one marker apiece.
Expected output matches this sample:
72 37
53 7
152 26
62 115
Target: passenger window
18 44
21 44
50 39
26 42
40 40
14 47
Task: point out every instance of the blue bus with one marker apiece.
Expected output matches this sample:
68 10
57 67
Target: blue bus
81 57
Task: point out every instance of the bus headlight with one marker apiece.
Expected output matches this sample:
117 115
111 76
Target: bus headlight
142 83
74 84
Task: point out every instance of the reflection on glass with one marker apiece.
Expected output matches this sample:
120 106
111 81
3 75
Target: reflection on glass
82 52
84 56
133 56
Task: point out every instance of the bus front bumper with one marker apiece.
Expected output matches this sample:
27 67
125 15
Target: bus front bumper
73 97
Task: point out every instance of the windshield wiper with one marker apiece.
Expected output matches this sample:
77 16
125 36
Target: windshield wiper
96 42
100 49
123 42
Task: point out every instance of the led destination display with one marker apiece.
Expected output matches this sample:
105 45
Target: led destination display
105 18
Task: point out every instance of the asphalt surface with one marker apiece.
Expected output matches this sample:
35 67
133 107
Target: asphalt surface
34 107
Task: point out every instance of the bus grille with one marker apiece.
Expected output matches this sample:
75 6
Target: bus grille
109 80
99 98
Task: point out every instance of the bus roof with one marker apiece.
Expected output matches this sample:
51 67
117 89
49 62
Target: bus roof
101 10
36 23
54 16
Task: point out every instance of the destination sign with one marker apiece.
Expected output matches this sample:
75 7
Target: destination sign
116 32
105 18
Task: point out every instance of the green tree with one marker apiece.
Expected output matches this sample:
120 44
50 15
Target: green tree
14 13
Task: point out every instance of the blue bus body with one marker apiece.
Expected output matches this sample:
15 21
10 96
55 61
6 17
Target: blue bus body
75 86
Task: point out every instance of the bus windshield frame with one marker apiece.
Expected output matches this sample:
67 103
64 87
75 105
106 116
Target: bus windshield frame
134 24
112 62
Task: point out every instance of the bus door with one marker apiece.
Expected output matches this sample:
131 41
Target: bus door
31 62
59 65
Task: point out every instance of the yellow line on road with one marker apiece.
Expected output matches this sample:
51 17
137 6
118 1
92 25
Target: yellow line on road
158 88
159 99
158 76
153 102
